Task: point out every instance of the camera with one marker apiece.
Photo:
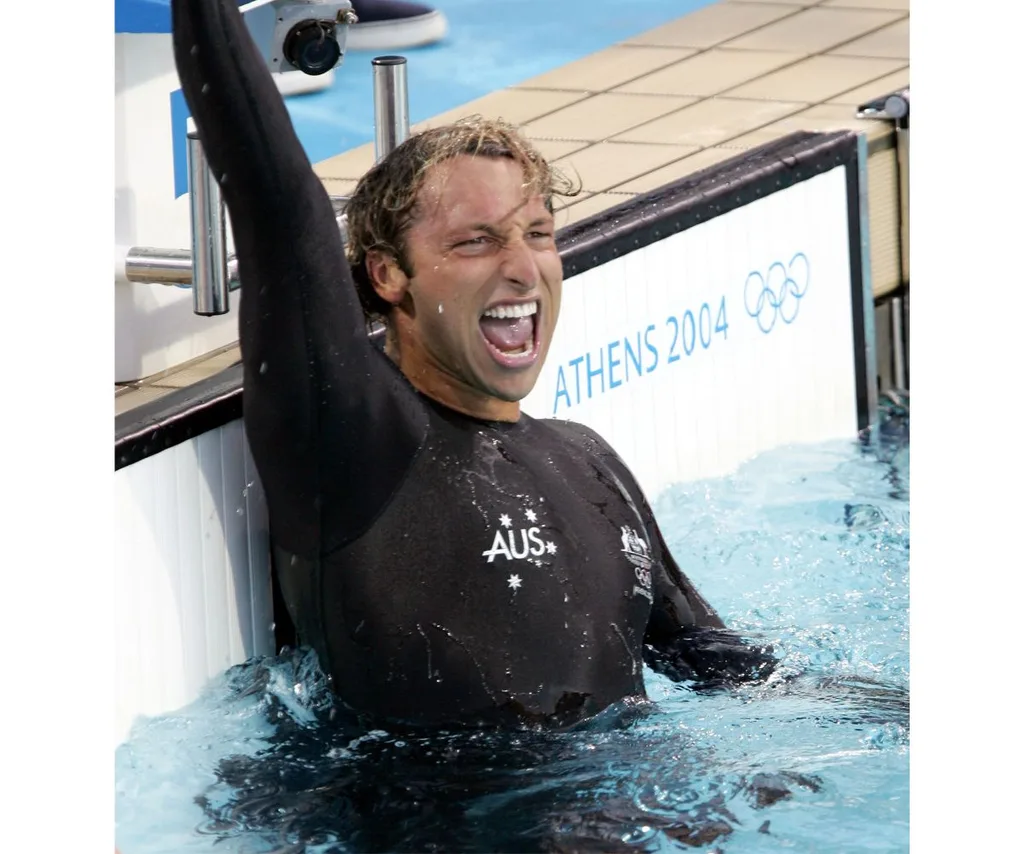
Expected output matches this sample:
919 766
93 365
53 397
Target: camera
300 35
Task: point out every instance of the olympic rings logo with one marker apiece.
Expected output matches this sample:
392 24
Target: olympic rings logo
777 294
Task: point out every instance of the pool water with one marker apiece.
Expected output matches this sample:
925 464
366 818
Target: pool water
490 46
805 547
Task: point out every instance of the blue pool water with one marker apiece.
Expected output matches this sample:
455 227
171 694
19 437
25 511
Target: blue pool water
805 547
491 45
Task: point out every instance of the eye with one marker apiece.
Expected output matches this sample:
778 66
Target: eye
474 241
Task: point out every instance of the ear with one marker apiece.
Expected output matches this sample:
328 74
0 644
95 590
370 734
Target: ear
386 276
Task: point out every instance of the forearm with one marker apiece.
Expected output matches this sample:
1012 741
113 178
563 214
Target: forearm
297 290
710 656
247 134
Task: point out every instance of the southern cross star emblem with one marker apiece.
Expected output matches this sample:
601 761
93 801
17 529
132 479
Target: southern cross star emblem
514 581
505 520
531 516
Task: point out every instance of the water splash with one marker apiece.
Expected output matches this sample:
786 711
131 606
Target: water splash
804 548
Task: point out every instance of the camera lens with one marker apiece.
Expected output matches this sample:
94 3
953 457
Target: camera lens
312 48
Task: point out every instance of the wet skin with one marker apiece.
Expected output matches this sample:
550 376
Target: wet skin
479 241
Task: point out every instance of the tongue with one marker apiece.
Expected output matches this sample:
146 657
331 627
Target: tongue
508 333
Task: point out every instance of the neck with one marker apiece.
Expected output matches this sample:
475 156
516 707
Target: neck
440 385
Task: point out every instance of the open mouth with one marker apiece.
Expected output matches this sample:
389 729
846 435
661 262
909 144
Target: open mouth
510 332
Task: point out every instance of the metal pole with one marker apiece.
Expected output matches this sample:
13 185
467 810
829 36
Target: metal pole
209 241
148 265
151 266
390 104
899 365
898 108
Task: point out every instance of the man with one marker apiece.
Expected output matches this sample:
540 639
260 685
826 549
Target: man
451 560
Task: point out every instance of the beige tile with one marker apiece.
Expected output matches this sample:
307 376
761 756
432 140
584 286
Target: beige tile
515 106
816 78
823 118
593 204
897 5
552 149
815 30
679 169
711 122
349 165
563 206
875 89
138 396
604 115
714 24
607 68
777 2
199 370
340 186
710 72
610 163
892 42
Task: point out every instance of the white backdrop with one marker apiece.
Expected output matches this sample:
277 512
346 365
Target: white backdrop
664 350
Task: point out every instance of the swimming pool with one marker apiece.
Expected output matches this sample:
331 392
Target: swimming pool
489 47
806 546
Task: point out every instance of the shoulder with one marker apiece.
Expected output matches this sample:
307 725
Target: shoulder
579 435
593 445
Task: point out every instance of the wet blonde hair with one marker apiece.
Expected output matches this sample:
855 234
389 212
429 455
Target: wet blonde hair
384 204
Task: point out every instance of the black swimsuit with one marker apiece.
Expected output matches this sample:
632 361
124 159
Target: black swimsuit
445 569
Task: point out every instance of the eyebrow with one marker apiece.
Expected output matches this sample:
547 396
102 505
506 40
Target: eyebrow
495 231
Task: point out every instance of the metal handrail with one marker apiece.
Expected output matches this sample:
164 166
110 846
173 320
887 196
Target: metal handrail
208 263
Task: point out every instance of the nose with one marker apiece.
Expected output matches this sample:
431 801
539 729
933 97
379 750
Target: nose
519 265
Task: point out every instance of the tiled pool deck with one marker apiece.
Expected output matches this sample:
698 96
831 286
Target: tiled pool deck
675 100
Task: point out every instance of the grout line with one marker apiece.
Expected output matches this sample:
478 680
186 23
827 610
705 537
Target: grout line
765 99
796 11
904 17
869 9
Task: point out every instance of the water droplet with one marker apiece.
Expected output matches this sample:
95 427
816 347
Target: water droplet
273 626
206 89
195 50
399 744
440 308
240 511
263 367
295 560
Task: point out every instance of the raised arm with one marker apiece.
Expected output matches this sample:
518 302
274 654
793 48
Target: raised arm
318 399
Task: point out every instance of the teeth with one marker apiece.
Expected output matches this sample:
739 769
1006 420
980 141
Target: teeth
525 350
522 310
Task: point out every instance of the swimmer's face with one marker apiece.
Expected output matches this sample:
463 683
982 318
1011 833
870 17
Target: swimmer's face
475 320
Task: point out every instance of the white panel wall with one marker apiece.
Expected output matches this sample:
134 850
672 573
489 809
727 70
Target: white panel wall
193 589
155 327
712 388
